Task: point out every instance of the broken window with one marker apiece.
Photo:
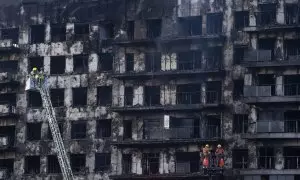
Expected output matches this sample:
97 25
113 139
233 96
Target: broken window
238 55
241 19
129 60
58 33
33 131
292 121
213 128
104 95
32 164
184 128
37 62
11 33
102 162
7 164
291 160
78 163
240 158
81 31
267 15
81 63
9 66
268 45
52 164
127 125
109 28
292 50
130 30
151 129
60 127
128 98
152 95
106 62
78 130
79 96
213 58
238 89
126 163
103 128
189 60
292 14
187 162
34 99
213 92
57 97
190 26
214 23
9 132
150 163
188 94
268 80
153 62
9 98
240 123
266 158
57 65
153 28
37 34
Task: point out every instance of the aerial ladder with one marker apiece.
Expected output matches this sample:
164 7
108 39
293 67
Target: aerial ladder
37 82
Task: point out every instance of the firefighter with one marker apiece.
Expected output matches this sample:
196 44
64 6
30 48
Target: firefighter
34 75
206 153
220 155
41 76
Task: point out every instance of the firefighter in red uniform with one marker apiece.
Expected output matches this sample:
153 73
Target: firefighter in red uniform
220 156
206 153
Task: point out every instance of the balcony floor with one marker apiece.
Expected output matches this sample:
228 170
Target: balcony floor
272 136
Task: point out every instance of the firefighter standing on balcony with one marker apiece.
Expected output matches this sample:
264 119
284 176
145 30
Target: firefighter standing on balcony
206 153
220 156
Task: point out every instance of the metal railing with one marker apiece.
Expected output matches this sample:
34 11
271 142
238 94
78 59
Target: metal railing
288 162
291 89
278 126
168 99
6 141
258 56
186 132
266 18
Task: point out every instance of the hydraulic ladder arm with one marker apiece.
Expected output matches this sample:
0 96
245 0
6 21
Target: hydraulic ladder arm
61 152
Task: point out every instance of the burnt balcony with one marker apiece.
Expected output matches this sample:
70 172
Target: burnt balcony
8 45
267 1
161 168
271 93
175 135
277 129
168 101
7 143
7 109
190 67
265 58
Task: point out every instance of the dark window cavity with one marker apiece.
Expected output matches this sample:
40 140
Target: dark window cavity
32 164
78 163
153 62
53 164
37 62
78 130
106 62
153 28
57 97
37 34
129 60
81 63
11 33
240 123
57 65
79 96
58 33
102 162
82 32
103 128
33 131
241 19
104 95
240 158
34 99
214 23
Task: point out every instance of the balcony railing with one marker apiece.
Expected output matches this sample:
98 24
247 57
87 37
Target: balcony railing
258 56
286 90
190 132
268 162
167 99
278 126
6 141
266 18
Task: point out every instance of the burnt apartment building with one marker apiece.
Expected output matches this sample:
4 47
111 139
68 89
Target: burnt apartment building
140 86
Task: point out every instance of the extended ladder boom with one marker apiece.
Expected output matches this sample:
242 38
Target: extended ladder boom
61 152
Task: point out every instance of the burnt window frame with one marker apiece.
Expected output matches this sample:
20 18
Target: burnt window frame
103 59
60 101
60 37
240 124
83 61
150 33
53 67
240 24
32 32
79 94
189 23
217 26
29 163
235 164
238 93
80 168
81 35
129 63
108 100
51 169
31 100
99 157
78 130
8 36
31 133
104 131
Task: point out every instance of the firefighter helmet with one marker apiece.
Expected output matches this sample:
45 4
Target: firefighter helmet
207 145
219 146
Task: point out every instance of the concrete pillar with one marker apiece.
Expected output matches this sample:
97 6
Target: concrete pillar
24 35
138 95
44 130
279 86
137 163
69 64
253 41
139 62
116 159
169 61
252 154
279 159
163 163
252 119
168 94
253 9
47 32
118 93
203 92
93 62
90 161
203 60
248 80
280 12
279 50
43 164
92 96
70 31
119 61
204 16
47 65
91 129
172 160
68 97
203 126
137 129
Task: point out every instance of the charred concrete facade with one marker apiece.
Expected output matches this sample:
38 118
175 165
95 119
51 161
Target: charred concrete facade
139 87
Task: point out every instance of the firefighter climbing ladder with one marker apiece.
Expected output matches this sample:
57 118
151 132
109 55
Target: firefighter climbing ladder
61 152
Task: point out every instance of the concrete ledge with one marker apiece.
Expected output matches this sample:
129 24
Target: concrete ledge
274 27
269 171
272 136
271 99
271 64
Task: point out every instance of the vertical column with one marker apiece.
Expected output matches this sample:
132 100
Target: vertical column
69 64
253 41
137 163
139 62
252 119
116 161
138 95
118 93
47 66
70 31
90 161
43 163
252 153
203 92
248 80
279 50
163 164
280 12
47 32
279 86
172 162
44 130
253 9
68 97
137 129
92 96
93 62
24 35
279 159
